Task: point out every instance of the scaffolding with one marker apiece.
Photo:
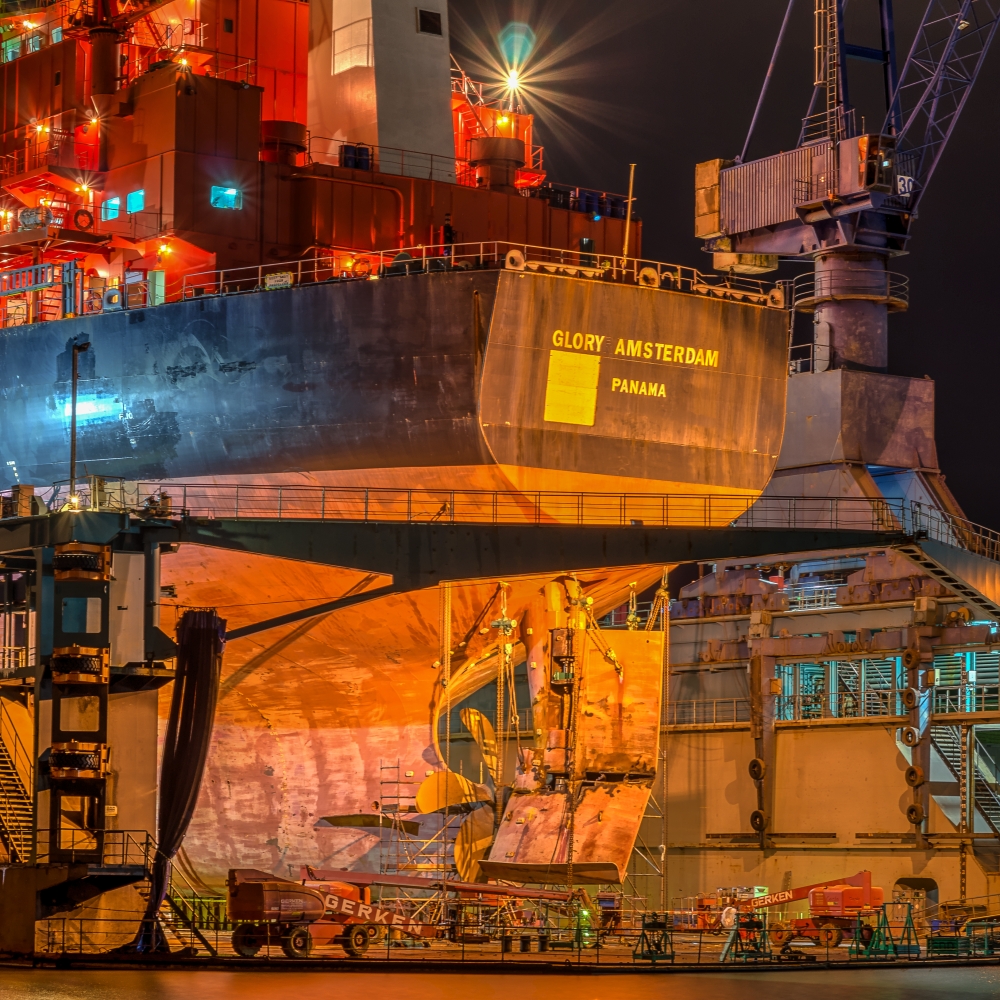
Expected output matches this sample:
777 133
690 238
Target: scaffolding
412 843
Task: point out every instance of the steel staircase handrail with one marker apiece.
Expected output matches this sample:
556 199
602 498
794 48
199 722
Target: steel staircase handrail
16 810
949 753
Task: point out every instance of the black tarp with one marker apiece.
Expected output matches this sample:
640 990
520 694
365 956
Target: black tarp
200 642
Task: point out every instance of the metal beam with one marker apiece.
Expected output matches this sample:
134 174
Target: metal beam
423 555
311 612
22 534
865 53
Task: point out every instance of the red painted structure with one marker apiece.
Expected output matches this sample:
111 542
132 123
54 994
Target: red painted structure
171 138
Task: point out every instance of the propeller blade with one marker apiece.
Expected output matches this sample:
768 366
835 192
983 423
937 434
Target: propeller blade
374 821
448 790
473 842
484 735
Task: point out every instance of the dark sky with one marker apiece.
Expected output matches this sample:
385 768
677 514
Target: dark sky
667 83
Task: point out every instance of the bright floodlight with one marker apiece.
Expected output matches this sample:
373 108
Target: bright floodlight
512 80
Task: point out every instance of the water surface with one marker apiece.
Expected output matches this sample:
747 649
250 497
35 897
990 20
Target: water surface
881 984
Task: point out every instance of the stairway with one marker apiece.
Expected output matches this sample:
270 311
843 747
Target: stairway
948 743
190 918
15 809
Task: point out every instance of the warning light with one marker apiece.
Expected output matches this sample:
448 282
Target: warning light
27 24
163 248
184 62
503 120
93 121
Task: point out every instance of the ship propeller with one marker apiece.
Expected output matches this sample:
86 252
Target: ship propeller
448 790
473 842
484 735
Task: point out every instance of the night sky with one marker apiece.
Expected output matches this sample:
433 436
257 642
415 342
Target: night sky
669 83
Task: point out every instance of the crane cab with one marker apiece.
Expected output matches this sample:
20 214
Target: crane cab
867 163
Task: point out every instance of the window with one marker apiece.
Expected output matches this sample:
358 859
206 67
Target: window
58 78
11 49
111 208
227 25
352 46
429 22
225 197
135 201
34 43
56 35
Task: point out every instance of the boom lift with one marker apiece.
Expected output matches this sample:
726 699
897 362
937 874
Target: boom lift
834 906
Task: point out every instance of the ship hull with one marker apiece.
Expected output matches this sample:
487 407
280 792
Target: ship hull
473 370
488 380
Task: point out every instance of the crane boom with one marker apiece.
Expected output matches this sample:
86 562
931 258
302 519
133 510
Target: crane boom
937 78
862 879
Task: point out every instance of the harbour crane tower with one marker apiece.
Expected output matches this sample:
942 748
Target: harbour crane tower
845 199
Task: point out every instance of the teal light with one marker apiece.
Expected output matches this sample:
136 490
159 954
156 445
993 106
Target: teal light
135 201
226 197
516 41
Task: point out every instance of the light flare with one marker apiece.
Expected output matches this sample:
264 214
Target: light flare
564 53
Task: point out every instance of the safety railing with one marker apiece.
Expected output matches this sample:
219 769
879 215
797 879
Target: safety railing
707 712
872 703
49 149
16 778
835 124
801 358
850 283
965 698
803 598
351 264
237 500
388 160
12 659
18 753
107 848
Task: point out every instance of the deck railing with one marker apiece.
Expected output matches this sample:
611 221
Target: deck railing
707 712
239 500
871 703
966 698
346 263
234 500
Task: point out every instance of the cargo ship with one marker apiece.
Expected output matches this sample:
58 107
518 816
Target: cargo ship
306 254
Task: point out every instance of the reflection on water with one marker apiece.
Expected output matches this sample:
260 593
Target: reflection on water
882 984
